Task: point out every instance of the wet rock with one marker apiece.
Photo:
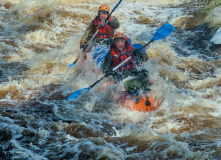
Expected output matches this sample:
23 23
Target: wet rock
196 31
213 18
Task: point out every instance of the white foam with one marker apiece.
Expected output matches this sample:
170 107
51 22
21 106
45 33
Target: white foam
216 39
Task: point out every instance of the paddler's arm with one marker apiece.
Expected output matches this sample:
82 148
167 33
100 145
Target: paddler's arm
114 23
142 56
87 35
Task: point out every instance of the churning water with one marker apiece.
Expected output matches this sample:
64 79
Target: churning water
39 39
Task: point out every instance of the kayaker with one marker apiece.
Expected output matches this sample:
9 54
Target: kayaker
120 50
106 32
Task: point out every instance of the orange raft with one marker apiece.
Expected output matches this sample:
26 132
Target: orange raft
127 101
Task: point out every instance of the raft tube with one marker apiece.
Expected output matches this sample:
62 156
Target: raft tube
126 100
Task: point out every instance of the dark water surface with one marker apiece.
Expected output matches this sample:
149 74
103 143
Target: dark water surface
40 39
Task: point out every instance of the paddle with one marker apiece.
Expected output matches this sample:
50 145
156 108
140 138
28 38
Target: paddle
92 39
162 32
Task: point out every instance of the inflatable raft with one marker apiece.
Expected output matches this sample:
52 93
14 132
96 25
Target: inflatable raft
140 104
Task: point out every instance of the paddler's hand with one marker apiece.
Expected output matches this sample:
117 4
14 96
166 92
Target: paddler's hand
109 73
104 22
136 52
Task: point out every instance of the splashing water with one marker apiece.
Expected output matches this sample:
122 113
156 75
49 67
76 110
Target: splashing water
39 39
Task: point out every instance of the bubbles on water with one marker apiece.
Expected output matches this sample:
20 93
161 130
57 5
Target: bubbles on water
44 36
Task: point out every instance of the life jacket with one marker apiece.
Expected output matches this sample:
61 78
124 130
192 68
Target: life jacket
118 57
104 32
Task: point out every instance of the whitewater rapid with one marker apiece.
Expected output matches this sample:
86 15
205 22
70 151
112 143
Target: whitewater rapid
39 39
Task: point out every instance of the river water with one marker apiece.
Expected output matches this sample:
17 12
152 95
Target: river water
39 39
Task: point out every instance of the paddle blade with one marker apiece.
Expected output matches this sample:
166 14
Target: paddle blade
77 93
138 46
71 65
163 31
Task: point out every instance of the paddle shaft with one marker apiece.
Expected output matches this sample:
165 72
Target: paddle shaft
162 32
91 40
91 86
131 56
146 45
158 35
118 66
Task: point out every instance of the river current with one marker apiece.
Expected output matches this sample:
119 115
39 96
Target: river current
39 39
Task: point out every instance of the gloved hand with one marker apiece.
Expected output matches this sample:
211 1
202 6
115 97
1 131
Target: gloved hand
104 22
136 52
109 72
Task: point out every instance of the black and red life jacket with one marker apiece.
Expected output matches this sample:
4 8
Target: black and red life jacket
118 57
104 32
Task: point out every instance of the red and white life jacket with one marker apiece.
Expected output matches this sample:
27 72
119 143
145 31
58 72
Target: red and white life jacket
118 57
104 32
